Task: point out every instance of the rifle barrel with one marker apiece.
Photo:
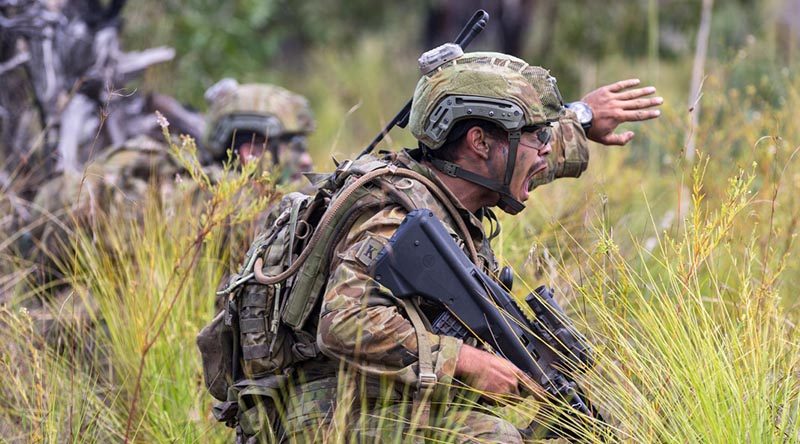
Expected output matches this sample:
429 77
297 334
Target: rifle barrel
474 26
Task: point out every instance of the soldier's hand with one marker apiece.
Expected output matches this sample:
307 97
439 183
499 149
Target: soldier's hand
618 103
489 373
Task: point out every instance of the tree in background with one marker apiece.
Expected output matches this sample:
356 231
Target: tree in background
69 98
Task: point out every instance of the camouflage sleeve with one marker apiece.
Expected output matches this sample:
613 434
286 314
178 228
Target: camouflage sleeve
363 324
570 155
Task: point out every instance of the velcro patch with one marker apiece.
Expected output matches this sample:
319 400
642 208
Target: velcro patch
369 250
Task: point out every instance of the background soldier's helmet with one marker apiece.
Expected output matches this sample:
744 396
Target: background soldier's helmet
269 110
482 85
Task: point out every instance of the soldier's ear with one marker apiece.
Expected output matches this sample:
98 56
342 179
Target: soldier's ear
476 141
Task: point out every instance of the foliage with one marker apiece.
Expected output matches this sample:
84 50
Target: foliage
273 40
248 39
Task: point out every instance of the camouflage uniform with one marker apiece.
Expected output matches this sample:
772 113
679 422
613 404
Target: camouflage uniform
362 325
570 151
114 183
112 186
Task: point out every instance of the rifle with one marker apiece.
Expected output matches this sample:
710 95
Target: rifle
473 27
422 259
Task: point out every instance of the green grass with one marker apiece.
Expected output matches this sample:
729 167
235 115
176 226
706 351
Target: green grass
692 308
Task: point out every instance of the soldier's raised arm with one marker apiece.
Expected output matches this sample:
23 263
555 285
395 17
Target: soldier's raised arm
618 103
596 117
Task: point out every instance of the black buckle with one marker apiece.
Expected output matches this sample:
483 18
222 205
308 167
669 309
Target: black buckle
450 169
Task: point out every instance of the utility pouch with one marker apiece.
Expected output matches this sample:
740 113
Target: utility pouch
216 344
260 401
266 344
253 406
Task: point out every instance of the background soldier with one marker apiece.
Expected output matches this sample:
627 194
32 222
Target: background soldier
479 160
256 118
117 179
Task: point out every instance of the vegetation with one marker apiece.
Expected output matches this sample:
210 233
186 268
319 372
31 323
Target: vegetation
679 271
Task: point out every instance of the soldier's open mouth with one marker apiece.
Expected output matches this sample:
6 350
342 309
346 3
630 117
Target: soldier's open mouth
527 184
540 167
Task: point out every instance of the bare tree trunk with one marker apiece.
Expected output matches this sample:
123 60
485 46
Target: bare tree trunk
515 16
79 122
652 37
698 74
66 56
549 11
786 33
444 19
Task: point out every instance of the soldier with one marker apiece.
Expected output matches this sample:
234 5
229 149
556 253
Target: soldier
490 127
254 118
113 184
117 179
251 120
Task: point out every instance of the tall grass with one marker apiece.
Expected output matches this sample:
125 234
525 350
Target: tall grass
694 344
145 275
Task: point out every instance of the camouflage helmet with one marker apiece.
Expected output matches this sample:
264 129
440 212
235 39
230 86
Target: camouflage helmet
267 109
482 85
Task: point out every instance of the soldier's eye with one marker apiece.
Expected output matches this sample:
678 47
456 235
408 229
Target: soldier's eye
544 135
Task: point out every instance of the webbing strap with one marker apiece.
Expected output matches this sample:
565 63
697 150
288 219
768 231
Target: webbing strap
507 202
455 170
426 380
293 228
252 325
255 351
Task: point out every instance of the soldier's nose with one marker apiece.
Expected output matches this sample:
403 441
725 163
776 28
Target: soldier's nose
306 162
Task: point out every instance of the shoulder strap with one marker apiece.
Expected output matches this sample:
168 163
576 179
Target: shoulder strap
426 376
339 205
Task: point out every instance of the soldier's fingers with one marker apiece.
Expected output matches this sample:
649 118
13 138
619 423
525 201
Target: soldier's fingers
617 139
639 115
623 84
529 387
636 93
641 103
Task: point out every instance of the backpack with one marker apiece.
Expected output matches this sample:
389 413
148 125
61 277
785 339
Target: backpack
247 330
264 329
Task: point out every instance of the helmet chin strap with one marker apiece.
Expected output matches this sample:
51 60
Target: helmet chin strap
506 202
